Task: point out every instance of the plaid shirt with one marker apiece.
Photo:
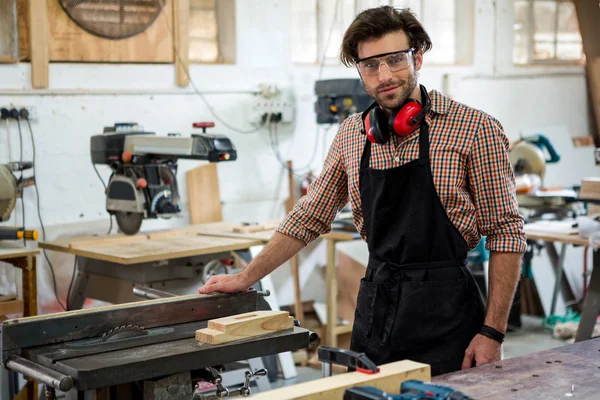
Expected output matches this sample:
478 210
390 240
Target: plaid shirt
470 167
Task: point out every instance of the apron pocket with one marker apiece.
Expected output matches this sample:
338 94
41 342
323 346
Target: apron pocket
430 312
375 312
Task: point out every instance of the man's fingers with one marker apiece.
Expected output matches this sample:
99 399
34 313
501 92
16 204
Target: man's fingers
468 360
210 286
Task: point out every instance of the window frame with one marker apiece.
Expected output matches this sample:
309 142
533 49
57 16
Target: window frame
226 34
530 32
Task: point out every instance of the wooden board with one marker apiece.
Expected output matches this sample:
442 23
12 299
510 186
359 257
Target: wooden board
38 43
388 379
243 326
11 307
203 194
547 374
68 42
558 237
10 250
146 248
181 30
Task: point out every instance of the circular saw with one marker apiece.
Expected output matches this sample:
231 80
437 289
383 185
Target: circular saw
8 192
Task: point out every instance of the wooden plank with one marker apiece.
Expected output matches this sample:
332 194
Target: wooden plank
181 31
289 205
557 237
38 42
242 326
8 32
388 379
593 69
14 250
11 307
256 228
203 194
547 374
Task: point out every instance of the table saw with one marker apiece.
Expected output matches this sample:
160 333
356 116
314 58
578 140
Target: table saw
84 352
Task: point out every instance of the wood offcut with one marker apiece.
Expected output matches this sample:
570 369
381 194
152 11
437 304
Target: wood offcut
242 326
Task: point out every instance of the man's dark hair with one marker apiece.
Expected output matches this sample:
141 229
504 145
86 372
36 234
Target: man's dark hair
377 22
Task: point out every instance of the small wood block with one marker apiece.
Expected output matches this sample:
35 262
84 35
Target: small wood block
255 228
241 326
11 307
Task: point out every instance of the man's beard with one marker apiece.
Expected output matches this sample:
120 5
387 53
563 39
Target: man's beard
396 99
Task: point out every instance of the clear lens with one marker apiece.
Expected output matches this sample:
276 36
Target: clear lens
394 63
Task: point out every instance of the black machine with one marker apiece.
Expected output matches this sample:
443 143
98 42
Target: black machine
339 98
144 180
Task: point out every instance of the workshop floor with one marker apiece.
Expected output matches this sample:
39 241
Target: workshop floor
529 339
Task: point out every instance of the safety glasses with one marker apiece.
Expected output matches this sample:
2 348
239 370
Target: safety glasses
394 61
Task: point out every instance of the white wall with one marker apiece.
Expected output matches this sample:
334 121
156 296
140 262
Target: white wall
83 98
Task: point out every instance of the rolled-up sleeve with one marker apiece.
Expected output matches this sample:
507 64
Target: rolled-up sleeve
326 196
493 188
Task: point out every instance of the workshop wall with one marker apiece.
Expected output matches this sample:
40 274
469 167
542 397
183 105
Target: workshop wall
83 98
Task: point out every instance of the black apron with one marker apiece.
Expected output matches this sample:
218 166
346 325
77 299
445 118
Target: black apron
418 300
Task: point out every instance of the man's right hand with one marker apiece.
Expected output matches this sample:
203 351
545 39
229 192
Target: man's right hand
226 284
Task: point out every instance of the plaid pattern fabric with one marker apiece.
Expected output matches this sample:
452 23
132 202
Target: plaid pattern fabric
470 166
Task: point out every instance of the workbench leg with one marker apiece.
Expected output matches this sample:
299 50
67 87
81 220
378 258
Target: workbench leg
559 273
331 285
30 309
591 303
77 295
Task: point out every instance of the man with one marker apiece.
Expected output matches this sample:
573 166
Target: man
426 177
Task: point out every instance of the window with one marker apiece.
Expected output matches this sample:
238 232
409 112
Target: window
212 31
546 31
318 27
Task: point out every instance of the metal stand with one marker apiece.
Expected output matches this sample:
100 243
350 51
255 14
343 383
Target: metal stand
591 303
238 377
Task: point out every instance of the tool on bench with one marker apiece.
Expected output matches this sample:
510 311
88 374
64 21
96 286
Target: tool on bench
409 390
11 189
221 391
137 342
143 183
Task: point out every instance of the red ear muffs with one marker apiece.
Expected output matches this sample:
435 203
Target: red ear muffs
376 126
405 120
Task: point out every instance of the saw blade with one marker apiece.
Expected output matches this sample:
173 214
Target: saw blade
122 332
129 222
8 192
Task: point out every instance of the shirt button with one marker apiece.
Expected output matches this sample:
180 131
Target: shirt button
396 159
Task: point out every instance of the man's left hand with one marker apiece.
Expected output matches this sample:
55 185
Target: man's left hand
483 350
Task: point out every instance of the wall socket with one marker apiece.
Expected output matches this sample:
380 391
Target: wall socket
276 101
32 110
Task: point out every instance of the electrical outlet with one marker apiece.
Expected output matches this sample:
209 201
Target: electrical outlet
278 101
30 109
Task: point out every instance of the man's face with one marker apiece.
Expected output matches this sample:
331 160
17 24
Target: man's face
390 89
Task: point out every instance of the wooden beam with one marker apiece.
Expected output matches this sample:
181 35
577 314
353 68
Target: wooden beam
242 326
181 33
388 379
38 43
289 205
204 196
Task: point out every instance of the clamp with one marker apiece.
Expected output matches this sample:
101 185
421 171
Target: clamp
348 358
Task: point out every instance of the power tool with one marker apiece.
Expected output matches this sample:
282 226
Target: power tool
11 189
143 183
409 390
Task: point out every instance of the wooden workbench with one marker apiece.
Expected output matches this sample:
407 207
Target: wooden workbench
24 258
547 374
108 265
148 247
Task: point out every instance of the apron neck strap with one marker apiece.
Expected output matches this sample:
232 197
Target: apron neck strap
424 140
